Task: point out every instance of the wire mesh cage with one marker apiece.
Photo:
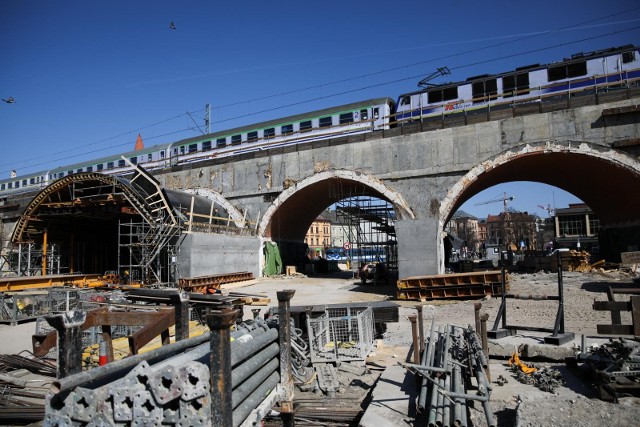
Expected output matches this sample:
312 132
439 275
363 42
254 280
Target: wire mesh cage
341 334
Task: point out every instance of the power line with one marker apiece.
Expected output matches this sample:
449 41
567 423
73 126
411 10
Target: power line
575 27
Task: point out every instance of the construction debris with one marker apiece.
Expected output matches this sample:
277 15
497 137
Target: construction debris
615 367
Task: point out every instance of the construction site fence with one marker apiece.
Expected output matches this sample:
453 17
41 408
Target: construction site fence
341 334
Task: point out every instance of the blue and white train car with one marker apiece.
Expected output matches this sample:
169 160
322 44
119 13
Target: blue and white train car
582 73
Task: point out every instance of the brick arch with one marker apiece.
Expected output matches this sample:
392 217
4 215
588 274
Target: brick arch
290 214
606 179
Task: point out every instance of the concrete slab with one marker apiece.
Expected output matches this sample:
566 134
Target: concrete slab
393 400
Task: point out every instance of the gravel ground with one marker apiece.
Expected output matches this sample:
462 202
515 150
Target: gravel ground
575 403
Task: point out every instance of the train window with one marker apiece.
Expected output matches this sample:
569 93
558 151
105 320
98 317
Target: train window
182 148
236 139
32 181
134 160
161 154
1 186
286 129
10 185
193 148
120 163
325 122
252 136
79 170
17 184
450 93
376 113
346 118
628 56
221 142
24 182
149 157
69 172
100 166
269 132
89 168
515 84
484 89
406 100
109 165
305 126
556 73
577 69
206 146
434 96
364 115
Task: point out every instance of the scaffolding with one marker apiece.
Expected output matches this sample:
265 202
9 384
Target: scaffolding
26 259
369 223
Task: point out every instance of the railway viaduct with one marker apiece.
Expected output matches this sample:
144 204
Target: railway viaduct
426 170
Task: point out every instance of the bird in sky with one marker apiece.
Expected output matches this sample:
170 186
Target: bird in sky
172 26
9 100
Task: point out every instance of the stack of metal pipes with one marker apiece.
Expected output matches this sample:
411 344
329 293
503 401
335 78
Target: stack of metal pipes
170 385
452 364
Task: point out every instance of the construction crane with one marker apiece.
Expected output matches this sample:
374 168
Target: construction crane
504 199
548 208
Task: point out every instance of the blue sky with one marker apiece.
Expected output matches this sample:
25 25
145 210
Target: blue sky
87 77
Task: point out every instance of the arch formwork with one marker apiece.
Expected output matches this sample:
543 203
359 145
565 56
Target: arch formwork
606 179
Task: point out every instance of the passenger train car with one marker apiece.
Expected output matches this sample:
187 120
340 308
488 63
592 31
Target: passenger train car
579 74
603 70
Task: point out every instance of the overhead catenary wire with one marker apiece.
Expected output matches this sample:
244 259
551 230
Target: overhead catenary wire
341 93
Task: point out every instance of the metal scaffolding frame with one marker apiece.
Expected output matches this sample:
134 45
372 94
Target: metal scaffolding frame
369 222
25 259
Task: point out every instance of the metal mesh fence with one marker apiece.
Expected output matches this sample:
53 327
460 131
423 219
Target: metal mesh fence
341 334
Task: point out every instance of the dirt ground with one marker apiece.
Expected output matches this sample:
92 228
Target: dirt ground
575 403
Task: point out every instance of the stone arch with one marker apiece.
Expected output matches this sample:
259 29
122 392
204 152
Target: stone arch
347 179
604 178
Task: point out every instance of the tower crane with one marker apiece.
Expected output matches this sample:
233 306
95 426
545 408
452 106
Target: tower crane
548 208
504 199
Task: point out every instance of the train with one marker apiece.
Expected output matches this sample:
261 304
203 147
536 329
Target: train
582 73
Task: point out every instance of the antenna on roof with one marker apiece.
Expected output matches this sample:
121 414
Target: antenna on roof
439 72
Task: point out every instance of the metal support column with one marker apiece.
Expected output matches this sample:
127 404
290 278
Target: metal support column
284 336
420 327
220 365
69 330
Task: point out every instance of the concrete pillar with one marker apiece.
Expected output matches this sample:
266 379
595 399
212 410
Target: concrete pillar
419 247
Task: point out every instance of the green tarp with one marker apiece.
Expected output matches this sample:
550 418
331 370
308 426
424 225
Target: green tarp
273 262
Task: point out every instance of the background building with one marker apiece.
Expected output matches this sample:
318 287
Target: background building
318 237
576 227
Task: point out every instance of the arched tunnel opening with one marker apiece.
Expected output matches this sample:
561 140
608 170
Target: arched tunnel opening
92 223
362 235
608 188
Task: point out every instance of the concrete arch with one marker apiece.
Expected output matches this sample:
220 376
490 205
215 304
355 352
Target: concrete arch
235 215
608 180
311 188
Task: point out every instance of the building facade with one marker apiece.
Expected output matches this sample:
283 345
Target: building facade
318 237
576 227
